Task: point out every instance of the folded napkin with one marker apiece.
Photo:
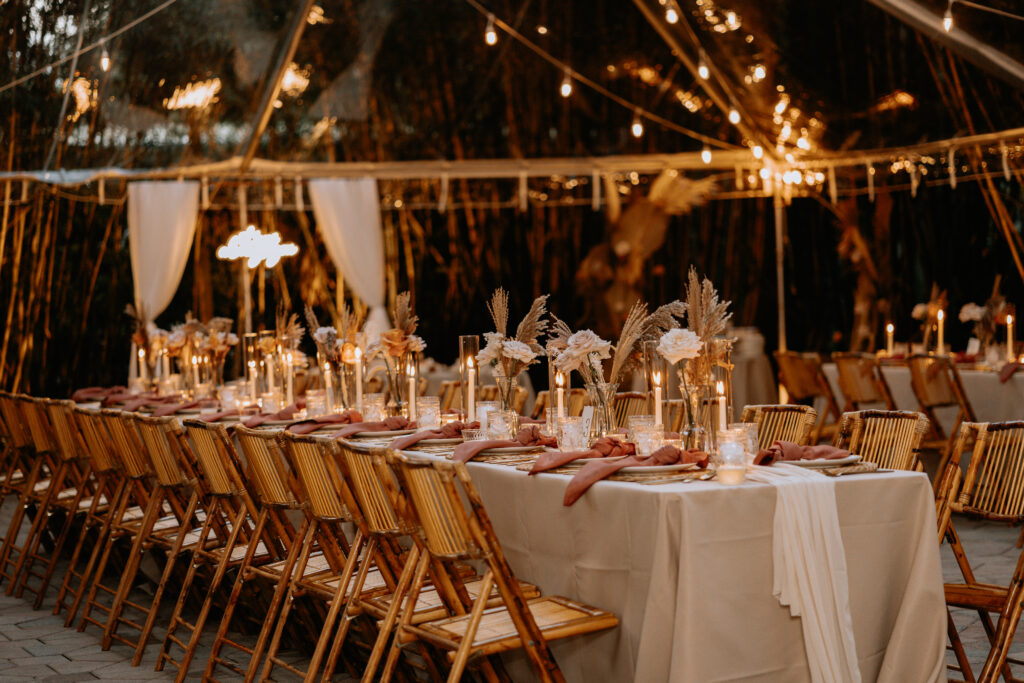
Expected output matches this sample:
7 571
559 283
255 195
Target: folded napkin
524 420
1008 371
218 416
132 402
452 430
283 414
528 436
605 447
314 423
781 451
173 408
809 568
388 424
595 471
95 393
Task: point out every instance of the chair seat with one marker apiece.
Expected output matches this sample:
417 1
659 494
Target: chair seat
557 617
984 596
429 605
238 552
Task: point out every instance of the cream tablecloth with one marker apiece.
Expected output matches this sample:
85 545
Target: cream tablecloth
688 570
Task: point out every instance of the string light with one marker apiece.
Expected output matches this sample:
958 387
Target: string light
734 116
105 60
566 88
759 73
758 151
490 35
671 16
947 18
705 155
702 67
638 125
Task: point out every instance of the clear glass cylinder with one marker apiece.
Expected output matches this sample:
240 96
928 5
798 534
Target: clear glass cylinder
656 371
602 398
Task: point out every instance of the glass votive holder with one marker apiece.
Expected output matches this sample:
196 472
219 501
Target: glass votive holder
648 439
571 434
316 402
732 455
270 402
483 410
473 435
203 390
227 397
428 412
750 428
550 418
635 421
501 424
374 408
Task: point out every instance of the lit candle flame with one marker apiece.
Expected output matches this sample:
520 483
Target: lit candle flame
1009 319
889 328
720 387
656 376
941 314
559 379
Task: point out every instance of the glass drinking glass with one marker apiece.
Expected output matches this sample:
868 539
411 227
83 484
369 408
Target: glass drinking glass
634 422
374 409
483 408
473 435
316 402
550 417
227 397
428 412
732 455
648 439
571 434
270 401
501 424
750 428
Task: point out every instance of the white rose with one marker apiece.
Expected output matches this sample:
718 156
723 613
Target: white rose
585 342
920 312
517 350
675 345
323 334
971 312
490 352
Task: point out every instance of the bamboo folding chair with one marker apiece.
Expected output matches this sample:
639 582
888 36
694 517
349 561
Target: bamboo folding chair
150 459
110 486
451 395
992 489
539 404
576 401
274 488
489 392
936 384
805 380
452 524
230 515
861 381
889 438
781 423
79 476
626 404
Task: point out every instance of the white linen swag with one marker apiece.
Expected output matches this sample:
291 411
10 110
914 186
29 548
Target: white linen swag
347 213
161 223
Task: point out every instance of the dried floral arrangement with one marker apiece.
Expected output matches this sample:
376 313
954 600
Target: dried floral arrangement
325 337
289 330
928 313
509 356
707 317
213 338
987 317
401 338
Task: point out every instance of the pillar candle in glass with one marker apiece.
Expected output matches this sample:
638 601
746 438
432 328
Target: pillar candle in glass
469 346
560 393
656 378
940 347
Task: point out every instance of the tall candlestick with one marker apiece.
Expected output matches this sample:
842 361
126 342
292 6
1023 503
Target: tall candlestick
329 386
656 376
722 419
1010 356
143 370
942 326
270 373
252 380
471 398
411 371
359 378
195 368
165 361
890 344
290 379
560 393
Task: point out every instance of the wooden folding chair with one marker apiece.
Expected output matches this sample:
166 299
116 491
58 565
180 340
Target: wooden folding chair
489 392
230 519
936 384
627 404
861 381
576 401
17 460
781 423
539 404
451 395
805 380
992 490
889 438
452 524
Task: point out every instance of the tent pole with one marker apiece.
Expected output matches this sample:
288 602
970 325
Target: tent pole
780 283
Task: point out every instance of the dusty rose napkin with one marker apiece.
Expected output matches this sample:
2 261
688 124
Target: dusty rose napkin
314 423
164 411
283 414
137 400
218 416
451 430
388 424
787 450
528 435
605 447
95 393
595 471
1008 371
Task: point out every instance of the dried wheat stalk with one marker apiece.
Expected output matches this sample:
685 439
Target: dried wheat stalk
498 308
404 318
534 324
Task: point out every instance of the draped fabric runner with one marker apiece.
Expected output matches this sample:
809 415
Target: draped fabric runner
809 568
348 217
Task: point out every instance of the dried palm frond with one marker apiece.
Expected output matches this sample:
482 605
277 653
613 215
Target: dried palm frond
662 320
533 325
705 314
558 335
498 308
311 319
632 330
404 318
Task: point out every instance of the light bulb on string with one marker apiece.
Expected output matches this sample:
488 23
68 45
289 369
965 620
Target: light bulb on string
702 67
105 60
638 125
490 35
671 16
566 87
758 151
705 155
947 18
734 116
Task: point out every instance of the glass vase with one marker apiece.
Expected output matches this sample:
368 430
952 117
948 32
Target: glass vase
602 398
398 370
694 432
507 389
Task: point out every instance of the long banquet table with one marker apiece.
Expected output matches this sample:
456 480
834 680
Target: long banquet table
688 570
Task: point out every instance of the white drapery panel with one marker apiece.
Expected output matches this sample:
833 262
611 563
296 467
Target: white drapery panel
161 223
347 213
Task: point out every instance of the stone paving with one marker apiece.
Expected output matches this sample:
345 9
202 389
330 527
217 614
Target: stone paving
35 646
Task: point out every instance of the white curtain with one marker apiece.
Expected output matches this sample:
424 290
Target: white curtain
161 223
348 215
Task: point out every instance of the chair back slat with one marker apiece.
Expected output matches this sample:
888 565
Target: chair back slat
157 434
364 477
994 484
127 444
889 438
781 423
626 405
39 428
266 467
213 450
14 421
65 431
931 380
97 440
313 462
